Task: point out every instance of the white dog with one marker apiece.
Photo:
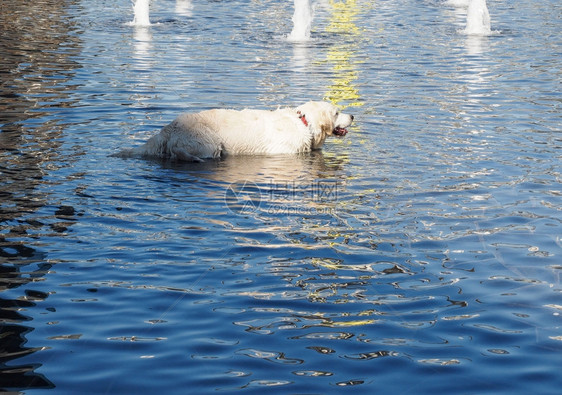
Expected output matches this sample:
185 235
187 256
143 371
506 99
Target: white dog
216 133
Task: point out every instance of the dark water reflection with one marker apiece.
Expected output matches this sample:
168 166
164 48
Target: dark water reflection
38 61
419 254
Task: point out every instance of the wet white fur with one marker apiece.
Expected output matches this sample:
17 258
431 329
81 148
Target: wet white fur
221 132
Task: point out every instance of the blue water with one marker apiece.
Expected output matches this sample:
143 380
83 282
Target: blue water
419 254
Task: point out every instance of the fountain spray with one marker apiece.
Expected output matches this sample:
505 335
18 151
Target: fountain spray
141 10
302 21
478 18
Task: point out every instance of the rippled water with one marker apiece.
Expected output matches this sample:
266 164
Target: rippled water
420 253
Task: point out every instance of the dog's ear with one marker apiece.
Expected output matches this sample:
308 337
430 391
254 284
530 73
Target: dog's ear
316 116
326 128
327 124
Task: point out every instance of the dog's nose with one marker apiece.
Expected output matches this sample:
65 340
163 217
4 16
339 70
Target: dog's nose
352 117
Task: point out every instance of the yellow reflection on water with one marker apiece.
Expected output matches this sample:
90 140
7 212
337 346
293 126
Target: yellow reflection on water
351 323
343 90
342 19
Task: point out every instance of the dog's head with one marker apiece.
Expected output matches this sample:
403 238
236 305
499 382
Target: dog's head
323 119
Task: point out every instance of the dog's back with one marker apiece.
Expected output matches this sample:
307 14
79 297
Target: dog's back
219 132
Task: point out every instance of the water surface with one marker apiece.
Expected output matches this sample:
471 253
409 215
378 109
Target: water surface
420 253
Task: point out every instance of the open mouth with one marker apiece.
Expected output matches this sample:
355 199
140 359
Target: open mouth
340 131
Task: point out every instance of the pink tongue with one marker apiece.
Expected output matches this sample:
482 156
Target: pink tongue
340 131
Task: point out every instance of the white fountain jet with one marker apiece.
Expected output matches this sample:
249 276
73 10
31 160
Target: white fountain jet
478 19
458 3
142 11
184 7
302 21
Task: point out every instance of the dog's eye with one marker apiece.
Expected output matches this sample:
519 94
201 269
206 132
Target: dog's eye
337 113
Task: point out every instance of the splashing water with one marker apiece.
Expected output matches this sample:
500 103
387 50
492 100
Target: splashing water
141 10
302 21
478 19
